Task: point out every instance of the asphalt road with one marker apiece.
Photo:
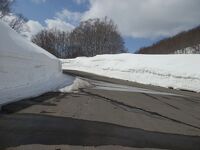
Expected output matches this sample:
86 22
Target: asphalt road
108 114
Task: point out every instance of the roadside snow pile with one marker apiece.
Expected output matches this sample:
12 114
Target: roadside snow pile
77 85
25 69
176 71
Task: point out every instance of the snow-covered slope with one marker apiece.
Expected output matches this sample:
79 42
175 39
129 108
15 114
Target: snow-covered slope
177 71
26 70
189 50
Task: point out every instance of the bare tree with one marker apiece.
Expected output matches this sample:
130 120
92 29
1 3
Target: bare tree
5 7
17 23
90 38
181 41
96 36
54 41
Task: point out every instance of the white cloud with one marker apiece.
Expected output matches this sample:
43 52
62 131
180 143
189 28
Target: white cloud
8 18
34 27
31 28
59 24
147 18
72 17
79 2
63 21
135 18
38 1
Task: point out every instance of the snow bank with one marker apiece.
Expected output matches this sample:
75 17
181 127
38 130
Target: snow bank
26 70
177 71
76 86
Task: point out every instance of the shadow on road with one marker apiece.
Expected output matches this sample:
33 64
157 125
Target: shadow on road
23 129
22 104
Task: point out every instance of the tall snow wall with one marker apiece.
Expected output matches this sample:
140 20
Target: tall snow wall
26 70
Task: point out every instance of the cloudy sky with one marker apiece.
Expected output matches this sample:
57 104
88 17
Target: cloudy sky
140 22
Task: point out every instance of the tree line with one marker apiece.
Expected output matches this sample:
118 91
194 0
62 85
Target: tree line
190 38
90 38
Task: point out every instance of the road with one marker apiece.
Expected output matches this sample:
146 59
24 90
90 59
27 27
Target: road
108 114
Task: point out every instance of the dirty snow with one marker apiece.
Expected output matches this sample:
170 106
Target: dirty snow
75 86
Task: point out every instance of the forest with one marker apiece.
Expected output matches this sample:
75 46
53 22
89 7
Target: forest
181 41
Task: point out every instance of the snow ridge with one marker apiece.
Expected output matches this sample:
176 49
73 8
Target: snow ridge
176 71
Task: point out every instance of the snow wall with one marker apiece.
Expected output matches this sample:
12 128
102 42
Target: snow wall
26 70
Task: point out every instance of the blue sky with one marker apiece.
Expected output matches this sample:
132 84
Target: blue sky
139 27
39 10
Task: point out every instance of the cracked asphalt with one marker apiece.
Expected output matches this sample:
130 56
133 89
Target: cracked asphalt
111 114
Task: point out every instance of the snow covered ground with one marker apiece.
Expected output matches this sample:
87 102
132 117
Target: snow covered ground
26 70
177 71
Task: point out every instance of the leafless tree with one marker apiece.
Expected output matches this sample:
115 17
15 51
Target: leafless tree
96 36
90 38
5 7
17 23
190 38
54 41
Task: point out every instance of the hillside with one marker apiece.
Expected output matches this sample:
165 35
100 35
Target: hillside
184 42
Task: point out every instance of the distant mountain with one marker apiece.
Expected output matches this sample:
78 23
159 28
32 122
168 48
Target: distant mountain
185 42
